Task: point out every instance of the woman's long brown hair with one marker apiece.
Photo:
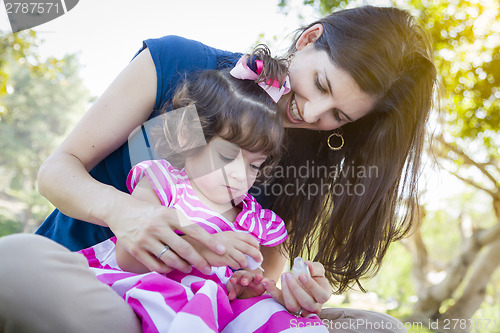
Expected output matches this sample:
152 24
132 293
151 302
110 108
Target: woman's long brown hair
389 57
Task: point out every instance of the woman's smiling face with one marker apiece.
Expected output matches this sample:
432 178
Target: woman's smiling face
323 96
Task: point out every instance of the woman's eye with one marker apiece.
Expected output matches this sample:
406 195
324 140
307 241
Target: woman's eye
318 84
336 114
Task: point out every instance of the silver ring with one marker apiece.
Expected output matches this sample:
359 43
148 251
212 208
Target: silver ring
165 249
298 314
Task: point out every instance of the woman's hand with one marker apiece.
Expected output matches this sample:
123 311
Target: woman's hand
145 234
144 227
245 284
237 244
308 295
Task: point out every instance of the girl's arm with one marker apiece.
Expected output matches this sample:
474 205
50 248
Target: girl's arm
65 181
274 262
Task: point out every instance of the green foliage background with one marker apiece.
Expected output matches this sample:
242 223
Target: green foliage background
39 101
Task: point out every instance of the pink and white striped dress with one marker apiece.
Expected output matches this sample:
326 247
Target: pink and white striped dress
195 302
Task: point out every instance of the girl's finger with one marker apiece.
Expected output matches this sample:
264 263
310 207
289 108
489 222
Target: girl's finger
250 251
258 278
272 290
236 277
249 239
231 291
231 262
249 278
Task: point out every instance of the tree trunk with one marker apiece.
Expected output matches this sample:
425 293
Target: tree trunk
475 290
430 299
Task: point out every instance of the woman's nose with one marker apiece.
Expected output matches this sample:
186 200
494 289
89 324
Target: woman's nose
312 112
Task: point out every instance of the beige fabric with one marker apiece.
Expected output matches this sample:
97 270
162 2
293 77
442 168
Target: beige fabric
44 287
345 320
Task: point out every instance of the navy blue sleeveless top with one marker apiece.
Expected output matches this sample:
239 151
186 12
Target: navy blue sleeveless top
174 58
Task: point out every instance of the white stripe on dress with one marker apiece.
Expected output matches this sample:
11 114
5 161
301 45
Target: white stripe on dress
156 184
274 240
168 175
154 304
254 317
187 323
105 253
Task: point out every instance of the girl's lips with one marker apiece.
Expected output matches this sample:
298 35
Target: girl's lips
231 189
293 113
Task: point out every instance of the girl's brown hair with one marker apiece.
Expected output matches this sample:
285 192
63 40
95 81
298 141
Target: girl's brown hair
237 110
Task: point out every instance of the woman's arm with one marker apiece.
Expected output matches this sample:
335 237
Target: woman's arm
126 261
64 177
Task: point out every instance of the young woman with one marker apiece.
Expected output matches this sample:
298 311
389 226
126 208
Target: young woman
366 70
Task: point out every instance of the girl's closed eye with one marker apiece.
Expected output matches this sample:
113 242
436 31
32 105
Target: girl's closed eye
255 167
226 159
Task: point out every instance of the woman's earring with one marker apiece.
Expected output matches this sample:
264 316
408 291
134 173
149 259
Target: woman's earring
289 58
336 133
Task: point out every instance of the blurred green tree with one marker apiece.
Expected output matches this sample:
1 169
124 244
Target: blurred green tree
18 46
42 99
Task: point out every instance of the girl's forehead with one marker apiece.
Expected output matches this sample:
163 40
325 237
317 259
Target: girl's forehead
220 143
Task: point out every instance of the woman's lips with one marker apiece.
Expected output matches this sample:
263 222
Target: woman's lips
293 112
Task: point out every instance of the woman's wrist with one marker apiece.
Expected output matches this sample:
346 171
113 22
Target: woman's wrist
109 206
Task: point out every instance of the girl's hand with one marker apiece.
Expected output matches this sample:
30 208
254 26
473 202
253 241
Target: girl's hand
237 244
307 296
245 284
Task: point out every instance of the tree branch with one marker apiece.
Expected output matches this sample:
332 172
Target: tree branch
475 290
468 160
458 269
472 183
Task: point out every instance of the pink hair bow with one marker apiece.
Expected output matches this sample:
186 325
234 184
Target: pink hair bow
273 89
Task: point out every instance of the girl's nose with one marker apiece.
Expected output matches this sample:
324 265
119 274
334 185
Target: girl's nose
236 169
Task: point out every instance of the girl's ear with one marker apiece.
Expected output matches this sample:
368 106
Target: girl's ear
309 36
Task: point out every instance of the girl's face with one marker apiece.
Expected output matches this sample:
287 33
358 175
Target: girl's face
323 96
222 172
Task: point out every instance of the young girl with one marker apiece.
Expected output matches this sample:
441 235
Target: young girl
208 186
